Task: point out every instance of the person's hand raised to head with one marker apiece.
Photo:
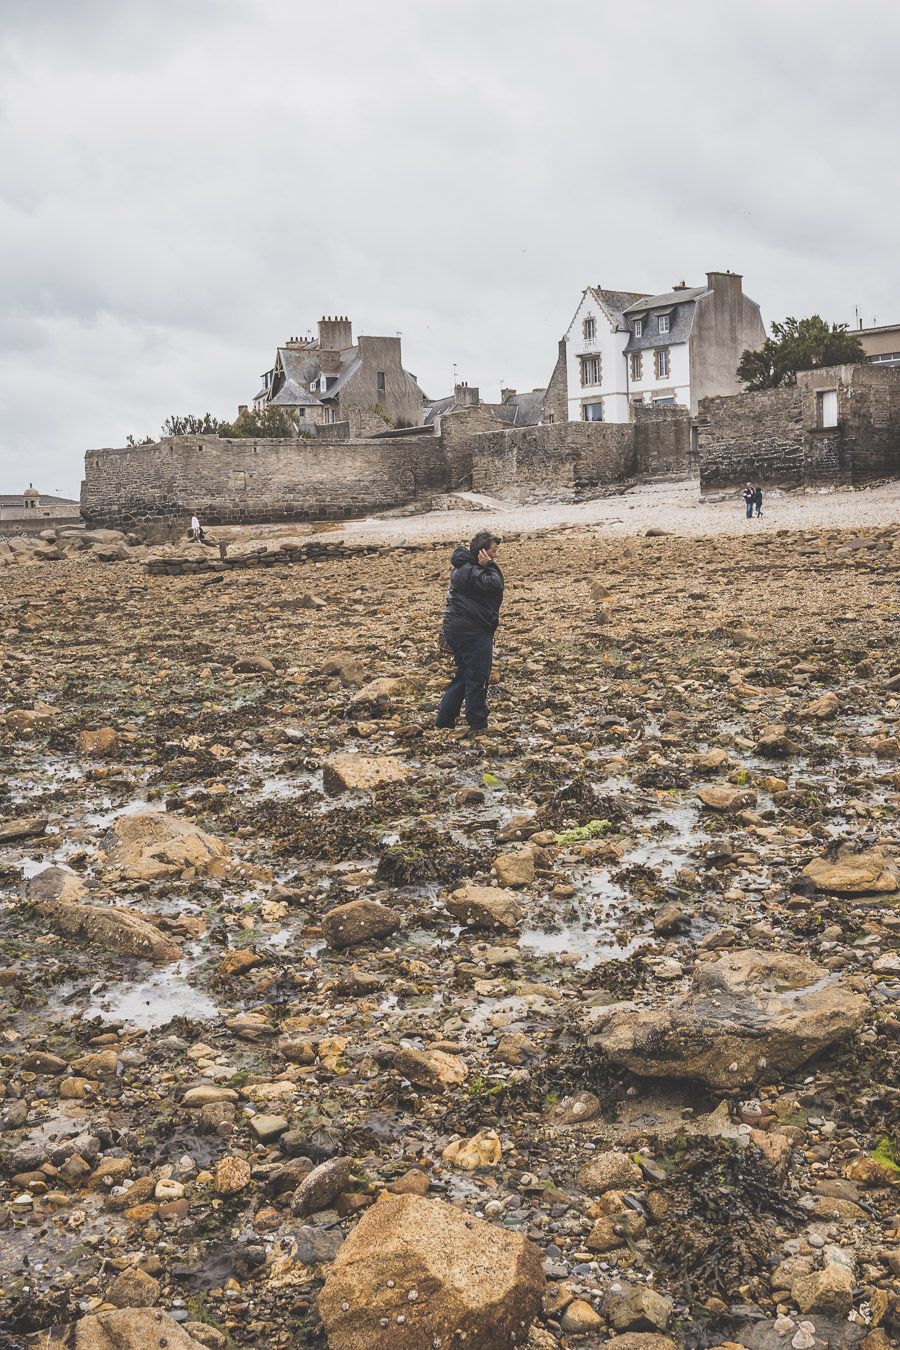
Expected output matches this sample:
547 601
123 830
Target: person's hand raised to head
484 557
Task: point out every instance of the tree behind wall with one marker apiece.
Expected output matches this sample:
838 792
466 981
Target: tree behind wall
798 344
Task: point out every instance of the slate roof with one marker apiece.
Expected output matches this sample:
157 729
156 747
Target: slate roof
680 307
438 407
667 298
617 302
520 410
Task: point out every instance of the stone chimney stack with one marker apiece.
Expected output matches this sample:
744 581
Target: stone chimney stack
466 396
727 285
506 395
335 334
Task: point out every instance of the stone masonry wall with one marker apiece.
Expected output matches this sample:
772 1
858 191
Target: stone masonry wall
233 481
549 459
774 435
751 437
662 440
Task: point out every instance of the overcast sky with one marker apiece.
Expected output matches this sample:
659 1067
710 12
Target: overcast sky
185 183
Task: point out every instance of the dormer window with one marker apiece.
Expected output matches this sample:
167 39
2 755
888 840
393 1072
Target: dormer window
662 323
639 328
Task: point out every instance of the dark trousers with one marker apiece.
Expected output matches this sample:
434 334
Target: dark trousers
474 653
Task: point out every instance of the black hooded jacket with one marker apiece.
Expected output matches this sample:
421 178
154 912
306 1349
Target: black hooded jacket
476 594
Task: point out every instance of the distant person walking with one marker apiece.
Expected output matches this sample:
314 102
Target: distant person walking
757 499
470 621
197 530
748 496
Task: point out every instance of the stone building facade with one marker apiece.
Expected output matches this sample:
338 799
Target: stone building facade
836 425
31 511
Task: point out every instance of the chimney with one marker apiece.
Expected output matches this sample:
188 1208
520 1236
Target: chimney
465 396
335 334
506 395
680 286
727 285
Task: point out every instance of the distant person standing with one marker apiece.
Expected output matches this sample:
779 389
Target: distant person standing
748 496
757 499
197 530
470 621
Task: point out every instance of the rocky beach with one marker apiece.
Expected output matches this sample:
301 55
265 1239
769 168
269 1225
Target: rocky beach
322 1027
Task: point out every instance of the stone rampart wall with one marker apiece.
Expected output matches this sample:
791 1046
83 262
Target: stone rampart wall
538 460
236 481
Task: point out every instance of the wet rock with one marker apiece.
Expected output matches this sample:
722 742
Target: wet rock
253 665
416 1272
719 797
639 1340
482 1150
636 1306
321 1187
669 919
361 773
98 743
126 1329
54 883
117 929
515 868
829 1290
485 907
316 1246
748 1012
40 1062
99 1064
359 921
239 962
774 742
580 1318
267 1128
844 871
205 1094
823 707
232 1175
149 845
434 1070
12 831
608 1171
134 1288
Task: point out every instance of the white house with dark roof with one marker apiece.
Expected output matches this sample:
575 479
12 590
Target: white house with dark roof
626 347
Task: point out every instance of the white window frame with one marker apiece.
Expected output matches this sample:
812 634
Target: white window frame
592 403
636 359
639 328
594 366
662 354
662 323
588 328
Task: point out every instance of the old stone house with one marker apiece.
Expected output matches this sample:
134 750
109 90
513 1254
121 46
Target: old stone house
671 349
37 507
319 380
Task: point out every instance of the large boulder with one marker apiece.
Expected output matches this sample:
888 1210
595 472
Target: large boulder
358 921
485 906
417 1272
845 871
148 845
124 1329
749 1012
361 773
116 928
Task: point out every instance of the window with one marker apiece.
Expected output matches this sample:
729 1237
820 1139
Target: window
827 408
330 381
329 416
667 402
590 370
637 365
588 328
639 328
592 412
662 363
551 418
301 412
662 323
379 381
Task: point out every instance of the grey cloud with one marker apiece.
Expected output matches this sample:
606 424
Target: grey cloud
188 181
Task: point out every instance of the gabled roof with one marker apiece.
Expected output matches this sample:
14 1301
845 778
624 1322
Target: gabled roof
350 364
616 302
520 410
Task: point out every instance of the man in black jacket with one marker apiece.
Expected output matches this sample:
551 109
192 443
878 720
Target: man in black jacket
470 620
